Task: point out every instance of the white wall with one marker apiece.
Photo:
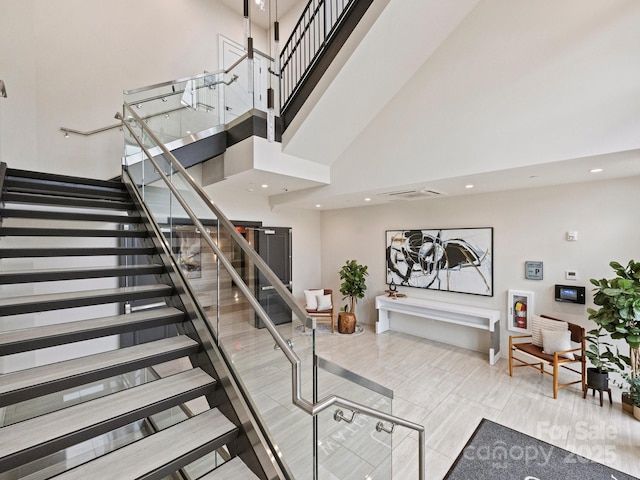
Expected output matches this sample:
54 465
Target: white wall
66 63
529 224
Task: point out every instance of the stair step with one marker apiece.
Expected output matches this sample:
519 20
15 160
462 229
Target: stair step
23 340
34 382
74 252
41 199
162 453
50 275
234 468
29 185
84 217
56 177
55 301
47 434
70 232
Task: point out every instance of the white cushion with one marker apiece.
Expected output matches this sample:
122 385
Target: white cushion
557 341
324 302
538 324
311 298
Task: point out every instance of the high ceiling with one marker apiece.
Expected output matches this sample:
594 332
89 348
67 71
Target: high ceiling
491 93
259 11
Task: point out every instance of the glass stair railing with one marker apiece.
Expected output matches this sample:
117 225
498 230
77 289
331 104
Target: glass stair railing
179 112
293 409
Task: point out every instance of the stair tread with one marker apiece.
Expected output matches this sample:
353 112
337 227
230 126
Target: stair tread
53 274
48 427
69 232
79 216
41 333
66 179
74 252
70 189
62 296
22 379
155 451
234 468
67 202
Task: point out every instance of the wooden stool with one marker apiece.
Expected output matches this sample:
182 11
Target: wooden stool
608 390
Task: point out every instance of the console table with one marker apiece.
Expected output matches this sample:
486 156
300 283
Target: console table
474 317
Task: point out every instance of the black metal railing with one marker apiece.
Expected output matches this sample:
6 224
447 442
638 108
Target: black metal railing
308 40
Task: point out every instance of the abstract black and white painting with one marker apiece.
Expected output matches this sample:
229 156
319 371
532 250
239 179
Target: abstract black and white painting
449 259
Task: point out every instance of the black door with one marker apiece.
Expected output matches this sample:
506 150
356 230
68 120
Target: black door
273 244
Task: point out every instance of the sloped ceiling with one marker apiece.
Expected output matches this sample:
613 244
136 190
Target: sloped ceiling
496 93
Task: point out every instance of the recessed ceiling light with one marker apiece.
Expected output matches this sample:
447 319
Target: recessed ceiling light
264 185
367 199
469 185
249 189
595 170
318 206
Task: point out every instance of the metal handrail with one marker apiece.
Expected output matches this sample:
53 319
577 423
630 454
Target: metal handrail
90 132
185 79
313 409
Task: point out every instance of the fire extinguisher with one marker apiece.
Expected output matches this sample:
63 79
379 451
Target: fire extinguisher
521 314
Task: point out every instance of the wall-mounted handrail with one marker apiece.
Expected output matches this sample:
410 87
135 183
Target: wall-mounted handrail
90 132
87 133
311 408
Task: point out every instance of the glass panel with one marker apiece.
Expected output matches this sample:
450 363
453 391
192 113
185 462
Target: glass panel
178 109
356 449
264 371
228 300
239 92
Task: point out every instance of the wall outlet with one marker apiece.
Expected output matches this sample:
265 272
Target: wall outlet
571 275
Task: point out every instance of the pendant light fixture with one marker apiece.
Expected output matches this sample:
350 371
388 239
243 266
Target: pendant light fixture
246 23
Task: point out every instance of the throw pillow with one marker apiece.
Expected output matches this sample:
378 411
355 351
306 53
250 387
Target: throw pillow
538 324
311 299
324 302
557 341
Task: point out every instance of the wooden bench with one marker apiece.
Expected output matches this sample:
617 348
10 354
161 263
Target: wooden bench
535 357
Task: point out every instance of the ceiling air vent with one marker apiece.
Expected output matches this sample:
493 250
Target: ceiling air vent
411 194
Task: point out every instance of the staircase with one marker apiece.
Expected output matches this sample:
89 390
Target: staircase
75 404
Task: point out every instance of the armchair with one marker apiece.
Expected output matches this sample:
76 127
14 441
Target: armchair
319 305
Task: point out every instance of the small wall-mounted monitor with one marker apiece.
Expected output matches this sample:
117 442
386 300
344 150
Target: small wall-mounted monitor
570 294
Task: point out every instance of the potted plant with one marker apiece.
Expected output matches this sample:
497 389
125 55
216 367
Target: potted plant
634 393
618 300
602 359
352 287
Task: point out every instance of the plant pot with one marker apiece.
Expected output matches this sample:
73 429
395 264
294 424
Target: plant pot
346 322
597 380
636 412
627 403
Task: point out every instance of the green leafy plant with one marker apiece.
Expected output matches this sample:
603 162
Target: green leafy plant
618 300
353 283
600 354
634 389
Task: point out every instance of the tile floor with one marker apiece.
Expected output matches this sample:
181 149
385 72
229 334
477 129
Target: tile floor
449 390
